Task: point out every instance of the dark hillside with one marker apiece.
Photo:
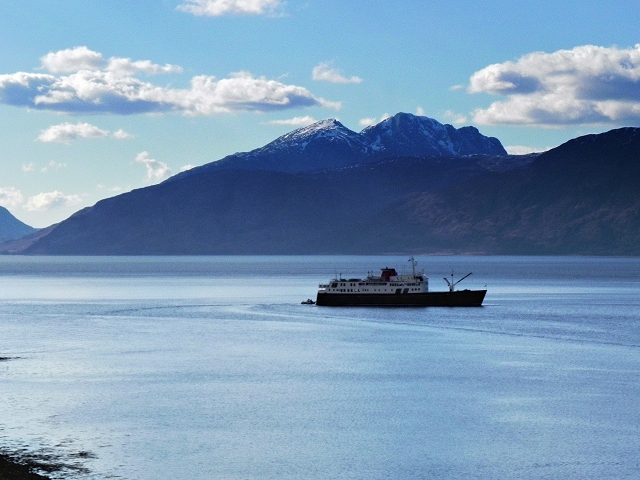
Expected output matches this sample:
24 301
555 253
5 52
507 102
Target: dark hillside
249 211
580 198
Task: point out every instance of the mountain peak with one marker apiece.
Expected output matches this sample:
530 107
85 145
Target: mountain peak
406 134
324 128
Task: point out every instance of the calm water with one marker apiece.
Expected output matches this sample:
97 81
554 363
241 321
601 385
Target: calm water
209 368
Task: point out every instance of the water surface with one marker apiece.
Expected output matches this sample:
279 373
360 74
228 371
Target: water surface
209 367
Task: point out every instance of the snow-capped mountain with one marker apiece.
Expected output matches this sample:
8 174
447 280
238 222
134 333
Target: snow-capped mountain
322 145
329 144
331 131
411 135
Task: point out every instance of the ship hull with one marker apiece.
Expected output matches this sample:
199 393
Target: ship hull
458 298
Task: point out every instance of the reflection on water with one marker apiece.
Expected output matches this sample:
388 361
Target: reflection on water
200 368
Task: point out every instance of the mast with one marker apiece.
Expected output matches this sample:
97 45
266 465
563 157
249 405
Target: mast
413 266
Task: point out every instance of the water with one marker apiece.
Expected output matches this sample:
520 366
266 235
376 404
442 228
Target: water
210 368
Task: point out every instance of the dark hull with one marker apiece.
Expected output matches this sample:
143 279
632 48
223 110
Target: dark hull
459 298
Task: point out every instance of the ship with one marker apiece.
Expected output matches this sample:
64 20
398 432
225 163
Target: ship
389 289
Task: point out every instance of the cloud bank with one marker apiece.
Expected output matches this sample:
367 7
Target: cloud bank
80 81
585 85
217 8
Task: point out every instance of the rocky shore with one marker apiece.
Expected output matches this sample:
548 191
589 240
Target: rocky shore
15 468
25 466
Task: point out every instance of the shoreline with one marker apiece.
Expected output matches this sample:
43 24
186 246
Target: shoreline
12 467
24 466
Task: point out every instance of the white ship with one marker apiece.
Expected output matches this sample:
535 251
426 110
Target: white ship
391 289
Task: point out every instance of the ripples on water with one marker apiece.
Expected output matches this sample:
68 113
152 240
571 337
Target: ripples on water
200 368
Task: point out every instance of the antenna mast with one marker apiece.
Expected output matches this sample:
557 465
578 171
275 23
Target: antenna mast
413 265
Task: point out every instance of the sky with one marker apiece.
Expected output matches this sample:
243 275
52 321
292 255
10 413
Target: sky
101 97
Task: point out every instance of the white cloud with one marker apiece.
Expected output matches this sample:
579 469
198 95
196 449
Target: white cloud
295 121
10 197
156 170
66 132
216 8
367 122
115 189
585 85
455 118
121 135
126 66
52 165
326 73
72 60
114 88
244 92
187 167
75 59
48 200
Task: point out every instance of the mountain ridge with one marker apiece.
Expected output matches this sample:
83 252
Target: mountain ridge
579 198
329 144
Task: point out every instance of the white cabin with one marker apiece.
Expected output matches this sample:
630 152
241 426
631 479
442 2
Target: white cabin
389 282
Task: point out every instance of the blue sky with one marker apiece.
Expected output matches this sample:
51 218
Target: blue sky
100 97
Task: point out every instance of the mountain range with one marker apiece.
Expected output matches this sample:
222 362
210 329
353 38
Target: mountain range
406 185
